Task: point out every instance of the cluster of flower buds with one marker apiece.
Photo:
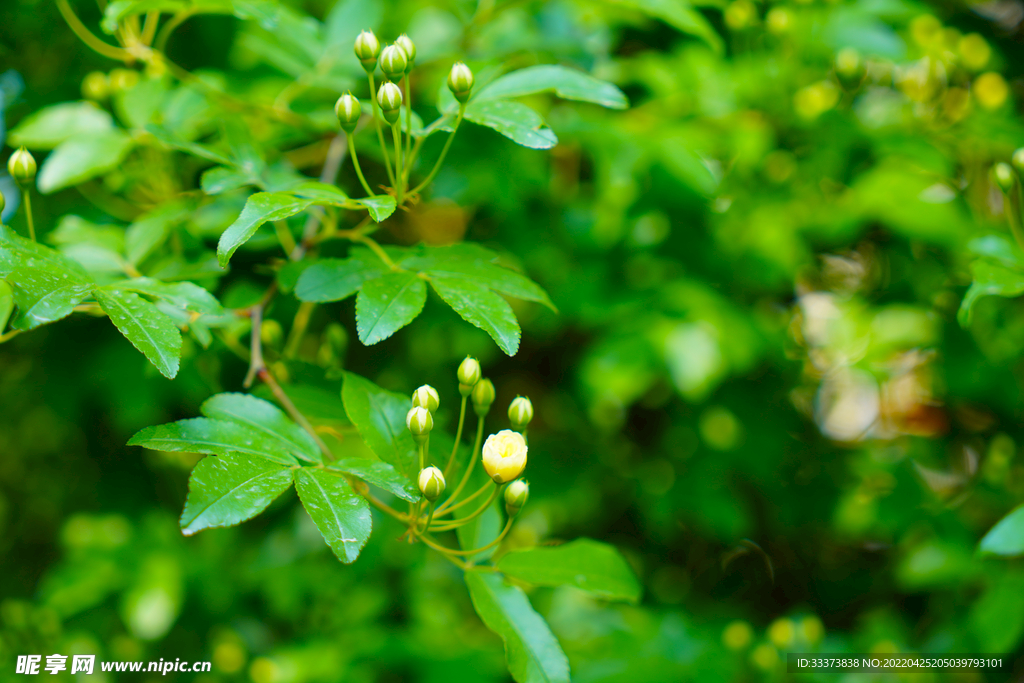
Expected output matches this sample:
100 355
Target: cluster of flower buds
22 167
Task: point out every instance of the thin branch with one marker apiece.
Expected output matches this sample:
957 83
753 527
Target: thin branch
87 37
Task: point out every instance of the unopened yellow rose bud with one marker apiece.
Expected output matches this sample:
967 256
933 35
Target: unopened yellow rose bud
460 81
426 397
22 166
483 397
420 422
516 495
520 412
504 456
431 482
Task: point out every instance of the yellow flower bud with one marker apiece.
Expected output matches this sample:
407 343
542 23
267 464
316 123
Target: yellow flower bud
367 47
348 109
22 166
483 397
426 397
420 422
516 495
991 90
504 456
405 42
460 81
431 482
393 62
520 412
389 97
469 375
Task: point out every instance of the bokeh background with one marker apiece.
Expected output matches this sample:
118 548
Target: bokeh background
756 385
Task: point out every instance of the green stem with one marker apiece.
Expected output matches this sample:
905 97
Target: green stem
380 132
458 438
464 501
444 152
473 515
355 162
423 453
285 237
469 468
1013 217
408 127
396 133
87 37
412 157
451 551
28 214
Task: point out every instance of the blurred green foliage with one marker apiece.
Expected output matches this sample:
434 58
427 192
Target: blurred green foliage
755 385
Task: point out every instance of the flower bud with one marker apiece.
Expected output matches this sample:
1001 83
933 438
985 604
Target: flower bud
483 397
22 166
460 81
431 483
1002 175
348 111
3 203
405 42
520 412
426 397
504 456
420 422
389 97
516 495
393 62
469 375
95 86
367 47
123 79
271 333
1018 160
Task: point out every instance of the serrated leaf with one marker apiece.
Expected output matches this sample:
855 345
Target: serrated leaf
43 296
260 208
342 516
18 252
567 83
229 489
149 330
595 567
264 417
387 304
336 279
379 416
182 294
380 474
481 307
514 120
532 651
1006 538
50 126
990 279
379 207
476 263
213 437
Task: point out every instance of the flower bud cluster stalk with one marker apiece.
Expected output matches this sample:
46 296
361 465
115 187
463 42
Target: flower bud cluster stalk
387 100
503 456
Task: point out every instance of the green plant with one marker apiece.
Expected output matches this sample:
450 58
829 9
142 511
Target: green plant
156 281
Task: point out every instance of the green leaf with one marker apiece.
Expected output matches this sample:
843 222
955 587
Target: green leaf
83 157
379 474
173 141
481 307
6 304
1006 538
380 206
337 279
182 294
595 567
342 516
264 417
43 296
149 330
387 304
678 15
18 252
472 262
152 229
50 126
379 416
480 531
221 179
532 651
259 209
213 437
567 83
229 489
514 120
990 279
